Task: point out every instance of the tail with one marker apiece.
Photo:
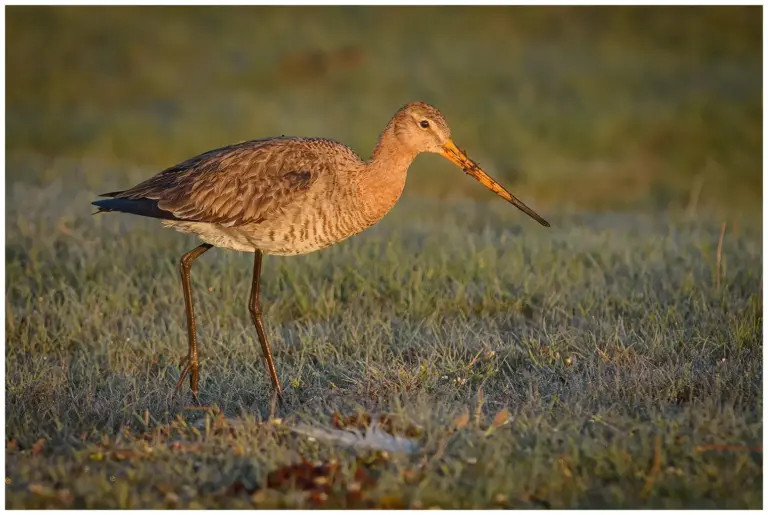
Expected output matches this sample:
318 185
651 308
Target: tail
142 207
101 204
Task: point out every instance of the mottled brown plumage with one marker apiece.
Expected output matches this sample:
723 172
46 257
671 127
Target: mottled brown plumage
289 196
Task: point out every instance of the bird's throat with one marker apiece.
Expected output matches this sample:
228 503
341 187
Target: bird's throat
384 179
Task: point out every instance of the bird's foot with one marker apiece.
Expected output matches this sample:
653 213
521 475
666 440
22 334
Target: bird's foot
192 367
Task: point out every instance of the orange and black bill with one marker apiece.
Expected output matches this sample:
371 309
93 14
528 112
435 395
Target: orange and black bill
458 157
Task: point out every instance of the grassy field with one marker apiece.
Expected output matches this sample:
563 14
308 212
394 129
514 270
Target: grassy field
607 362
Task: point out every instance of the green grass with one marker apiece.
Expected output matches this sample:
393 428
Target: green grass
600 335
629 374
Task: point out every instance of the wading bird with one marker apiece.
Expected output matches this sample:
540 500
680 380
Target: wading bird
288 196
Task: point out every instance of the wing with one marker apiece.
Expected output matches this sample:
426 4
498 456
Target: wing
235 185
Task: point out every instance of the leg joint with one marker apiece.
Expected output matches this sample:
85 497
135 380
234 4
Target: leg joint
254 306
185 263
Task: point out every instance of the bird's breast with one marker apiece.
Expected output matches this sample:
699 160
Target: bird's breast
325 216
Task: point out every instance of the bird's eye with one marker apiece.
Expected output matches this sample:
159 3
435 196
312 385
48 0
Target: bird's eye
424 124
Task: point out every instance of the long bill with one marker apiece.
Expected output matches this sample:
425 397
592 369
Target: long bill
460 159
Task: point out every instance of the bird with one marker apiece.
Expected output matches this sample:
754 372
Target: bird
287 196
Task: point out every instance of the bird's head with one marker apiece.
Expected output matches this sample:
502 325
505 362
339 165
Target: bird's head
421 127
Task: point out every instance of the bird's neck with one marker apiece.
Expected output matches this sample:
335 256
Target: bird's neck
384 179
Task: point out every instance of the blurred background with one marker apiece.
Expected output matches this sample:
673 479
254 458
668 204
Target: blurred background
585 108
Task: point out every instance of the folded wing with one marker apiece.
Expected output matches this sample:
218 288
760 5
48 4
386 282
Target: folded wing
232 186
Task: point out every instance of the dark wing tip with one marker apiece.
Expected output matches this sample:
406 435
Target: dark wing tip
141 207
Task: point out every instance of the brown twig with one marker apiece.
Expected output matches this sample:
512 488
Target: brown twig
473 360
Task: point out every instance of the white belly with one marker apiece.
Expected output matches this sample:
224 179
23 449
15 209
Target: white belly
252 238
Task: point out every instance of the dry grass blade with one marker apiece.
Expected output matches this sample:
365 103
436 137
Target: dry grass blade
726 447
462 420
719 257
479 407
502 417
655 470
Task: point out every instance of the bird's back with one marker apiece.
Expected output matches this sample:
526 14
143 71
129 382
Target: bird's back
282 195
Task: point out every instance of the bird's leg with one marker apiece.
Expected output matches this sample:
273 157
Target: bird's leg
191 362
254 307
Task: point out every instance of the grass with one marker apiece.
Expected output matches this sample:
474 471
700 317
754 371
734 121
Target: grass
607 362
605 338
